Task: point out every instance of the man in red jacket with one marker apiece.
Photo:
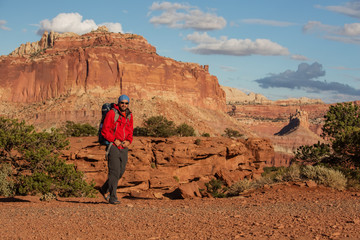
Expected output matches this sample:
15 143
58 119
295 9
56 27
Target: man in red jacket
120 136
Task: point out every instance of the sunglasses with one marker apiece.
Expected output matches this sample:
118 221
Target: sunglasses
124 103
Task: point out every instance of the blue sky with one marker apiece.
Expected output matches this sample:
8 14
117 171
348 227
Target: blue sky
277 48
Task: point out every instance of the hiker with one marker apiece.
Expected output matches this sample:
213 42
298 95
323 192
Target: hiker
119 133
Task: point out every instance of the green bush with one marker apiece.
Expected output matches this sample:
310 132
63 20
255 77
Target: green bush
38 153
215 188
320 174
140 131
6 183
159 126
232 133
246 184
342 129
205 135
239 187
325 176
72 129
352 176
185 130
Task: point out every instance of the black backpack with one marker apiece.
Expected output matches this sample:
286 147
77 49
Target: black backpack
106 107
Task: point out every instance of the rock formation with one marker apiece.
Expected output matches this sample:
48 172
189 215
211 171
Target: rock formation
102 63
174 167
296 121
237 97
287 123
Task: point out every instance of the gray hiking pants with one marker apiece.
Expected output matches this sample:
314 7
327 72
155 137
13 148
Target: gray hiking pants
117 160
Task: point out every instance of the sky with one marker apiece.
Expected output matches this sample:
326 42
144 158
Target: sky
280 48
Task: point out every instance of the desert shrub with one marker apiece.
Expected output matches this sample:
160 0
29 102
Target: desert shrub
292 173
47 197
205 135
38 182
342 129
38 153
159 126
197 141
325 176
72 129
140 131
246 184
313 154
12 134
321 175
184 130
239 187
231 133
352 176
6 183
216 188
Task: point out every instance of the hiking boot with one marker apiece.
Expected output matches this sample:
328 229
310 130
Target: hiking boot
115 202
104 195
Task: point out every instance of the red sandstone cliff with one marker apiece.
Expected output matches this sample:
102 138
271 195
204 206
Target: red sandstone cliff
101 63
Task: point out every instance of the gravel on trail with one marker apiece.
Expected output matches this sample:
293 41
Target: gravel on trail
278 212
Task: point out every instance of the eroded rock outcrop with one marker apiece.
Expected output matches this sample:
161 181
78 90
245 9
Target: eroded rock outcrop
101 63
237 97
298 120
174 167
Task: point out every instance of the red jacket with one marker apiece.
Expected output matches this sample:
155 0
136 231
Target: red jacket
124 129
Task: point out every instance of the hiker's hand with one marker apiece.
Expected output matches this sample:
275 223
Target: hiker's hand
125 144
117 142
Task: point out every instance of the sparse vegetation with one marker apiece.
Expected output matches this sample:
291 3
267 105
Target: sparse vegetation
6 183
216 188
72 129
176 178
342 130
184 130
321 175
34 158
159 126
197 141
231 133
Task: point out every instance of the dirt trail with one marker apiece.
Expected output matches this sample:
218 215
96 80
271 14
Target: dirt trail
279 212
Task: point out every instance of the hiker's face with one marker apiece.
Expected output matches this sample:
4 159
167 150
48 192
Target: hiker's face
123 105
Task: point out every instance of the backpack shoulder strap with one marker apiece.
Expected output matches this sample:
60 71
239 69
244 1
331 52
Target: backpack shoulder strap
128 114
117 114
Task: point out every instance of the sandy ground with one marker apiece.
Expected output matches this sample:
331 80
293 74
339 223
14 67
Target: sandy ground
279 212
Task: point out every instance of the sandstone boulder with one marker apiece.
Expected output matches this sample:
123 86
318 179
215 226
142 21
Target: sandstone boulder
173 166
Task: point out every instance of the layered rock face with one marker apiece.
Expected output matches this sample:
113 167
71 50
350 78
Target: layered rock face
174 167
236 96
287 123
101 64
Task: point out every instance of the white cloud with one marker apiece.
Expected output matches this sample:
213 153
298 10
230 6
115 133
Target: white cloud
176 15
113 27
207 45
352 29
345 68
2 25
351 9
228 68
349 33
316 26
267 22
73 22
299 57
